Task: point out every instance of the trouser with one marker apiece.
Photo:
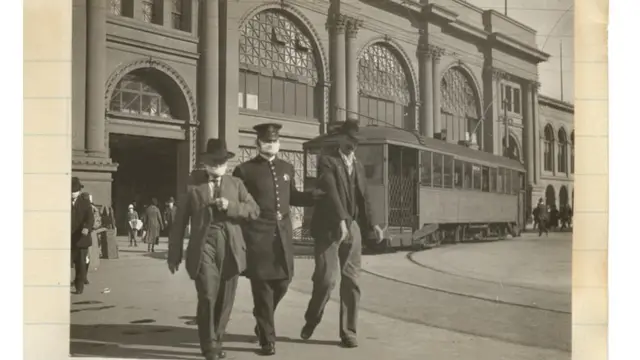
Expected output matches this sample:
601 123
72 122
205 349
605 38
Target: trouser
132 237
266 297
79 260
333 258
542 227
216 285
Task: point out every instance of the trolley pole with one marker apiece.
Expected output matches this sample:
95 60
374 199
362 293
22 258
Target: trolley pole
505 103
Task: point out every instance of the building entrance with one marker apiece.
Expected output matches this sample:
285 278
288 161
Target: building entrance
147 168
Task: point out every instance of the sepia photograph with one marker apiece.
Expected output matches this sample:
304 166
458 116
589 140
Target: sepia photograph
321 179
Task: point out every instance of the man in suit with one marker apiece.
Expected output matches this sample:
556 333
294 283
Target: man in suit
340 221
216 253
271 182
169 214
81 226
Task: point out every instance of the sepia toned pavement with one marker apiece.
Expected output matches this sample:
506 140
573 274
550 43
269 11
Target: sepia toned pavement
412 308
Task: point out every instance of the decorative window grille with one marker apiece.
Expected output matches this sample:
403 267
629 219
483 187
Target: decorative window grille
384 87
177 20
548 148
133 95
278 70
148 10
562 151
459 107
115 7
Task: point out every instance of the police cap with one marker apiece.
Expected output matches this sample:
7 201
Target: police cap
268 131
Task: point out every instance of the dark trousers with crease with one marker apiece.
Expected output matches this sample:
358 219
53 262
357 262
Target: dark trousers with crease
216 285
266 297
79 261
333 259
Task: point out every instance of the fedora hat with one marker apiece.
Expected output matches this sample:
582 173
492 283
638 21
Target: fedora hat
217 151
350 129
76 185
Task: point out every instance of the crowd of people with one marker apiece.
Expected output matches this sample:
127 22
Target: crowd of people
547 217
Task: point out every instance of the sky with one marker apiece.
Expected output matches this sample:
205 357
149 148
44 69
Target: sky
553 21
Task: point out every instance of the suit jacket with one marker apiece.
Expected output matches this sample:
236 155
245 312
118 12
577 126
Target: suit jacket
270 257
170 215
194 205
81 218
333 207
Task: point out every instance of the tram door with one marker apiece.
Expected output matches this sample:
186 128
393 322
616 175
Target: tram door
403 182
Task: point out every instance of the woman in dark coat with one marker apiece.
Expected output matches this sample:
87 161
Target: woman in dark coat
152 223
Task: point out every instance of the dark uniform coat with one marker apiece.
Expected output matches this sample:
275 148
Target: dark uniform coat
270 237
81 218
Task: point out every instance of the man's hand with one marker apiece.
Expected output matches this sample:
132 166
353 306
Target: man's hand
173 266
222 203
85 232
379 234
344 232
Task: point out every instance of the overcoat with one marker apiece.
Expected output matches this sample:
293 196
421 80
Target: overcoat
270 237
152 220
81 218
194 205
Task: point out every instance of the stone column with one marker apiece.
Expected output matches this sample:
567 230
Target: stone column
539 163
426 91
352 68
339 80
96 75
209 76
436 54
496 106
530 135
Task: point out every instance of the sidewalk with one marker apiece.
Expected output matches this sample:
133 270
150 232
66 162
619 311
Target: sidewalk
148 313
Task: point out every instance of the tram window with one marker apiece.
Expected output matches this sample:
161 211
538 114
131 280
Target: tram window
515 179
522 183
467 175
426 168
493 173
500 181
448 171
485 179
437 170
371 157
507 181
477 176
458 175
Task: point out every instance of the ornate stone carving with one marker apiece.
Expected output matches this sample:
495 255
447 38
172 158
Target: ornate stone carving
337 22
353 25
193 147
436 52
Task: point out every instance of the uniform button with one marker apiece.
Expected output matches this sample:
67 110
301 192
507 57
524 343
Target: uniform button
276 186
277 198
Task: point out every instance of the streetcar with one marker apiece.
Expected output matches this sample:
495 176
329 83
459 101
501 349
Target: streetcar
427 191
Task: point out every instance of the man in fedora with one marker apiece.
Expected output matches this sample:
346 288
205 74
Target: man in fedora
81 226
340 221
270 238
169 214
216 251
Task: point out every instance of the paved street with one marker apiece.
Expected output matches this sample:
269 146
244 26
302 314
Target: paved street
495 300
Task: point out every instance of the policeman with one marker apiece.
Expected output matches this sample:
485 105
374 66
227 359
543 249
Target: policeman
269 239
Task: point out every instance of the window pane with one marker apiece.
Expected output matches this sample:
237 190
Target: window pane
507 181
373 108
382 112
311 108
485 179
515 180
448 171
364 109
457 178
467 175
371 157
241 88
477 176
426 168
397 112
494 179
265 93
389 115
290 98
437 170
500 181
277 95
252 91
516 100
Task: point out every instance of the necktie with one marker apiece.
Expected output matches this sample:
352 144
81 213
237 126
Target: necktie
215 188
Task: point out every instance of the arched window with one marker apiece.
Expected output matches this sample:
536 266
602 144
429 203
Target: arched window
512 151
278 70
548 148
384 88
137 95
459 109
550 196
562 151
573 151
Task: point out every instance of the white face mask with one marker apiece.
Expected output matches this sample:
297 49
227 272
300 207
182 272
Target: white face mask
220 170
75 194
270 148
171 204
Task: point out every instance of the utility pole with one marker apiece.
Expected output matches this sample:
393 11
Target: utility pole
505 7
505 104
561 74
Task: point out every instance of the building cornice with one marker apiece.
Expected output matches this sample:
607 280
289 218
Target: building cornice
555 103
512 21
519 46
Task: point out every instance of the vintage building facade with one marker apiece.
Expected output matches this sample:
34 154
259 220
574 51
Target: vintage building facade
153 79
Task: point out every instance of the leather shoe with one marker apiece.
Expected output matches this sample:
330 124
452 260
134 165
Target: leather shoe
349 343
307 331
268 349
222 354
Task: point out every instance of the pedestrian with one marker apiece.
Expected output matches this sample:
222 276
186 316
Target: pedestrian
340 222
271 182
132 222
169 214
216 251
152 223
543 218
81 225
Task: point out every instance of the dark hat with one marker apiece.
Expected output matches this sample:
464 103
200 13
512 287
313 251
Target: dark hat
268 131
170 199
217 151
350 129
76 185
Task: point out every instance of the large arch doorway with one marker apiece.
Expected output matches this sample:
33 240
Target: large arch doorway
147 118
550 196
564 196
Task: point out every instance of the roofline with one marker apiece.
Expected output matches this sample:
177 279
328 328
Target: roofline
556 103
